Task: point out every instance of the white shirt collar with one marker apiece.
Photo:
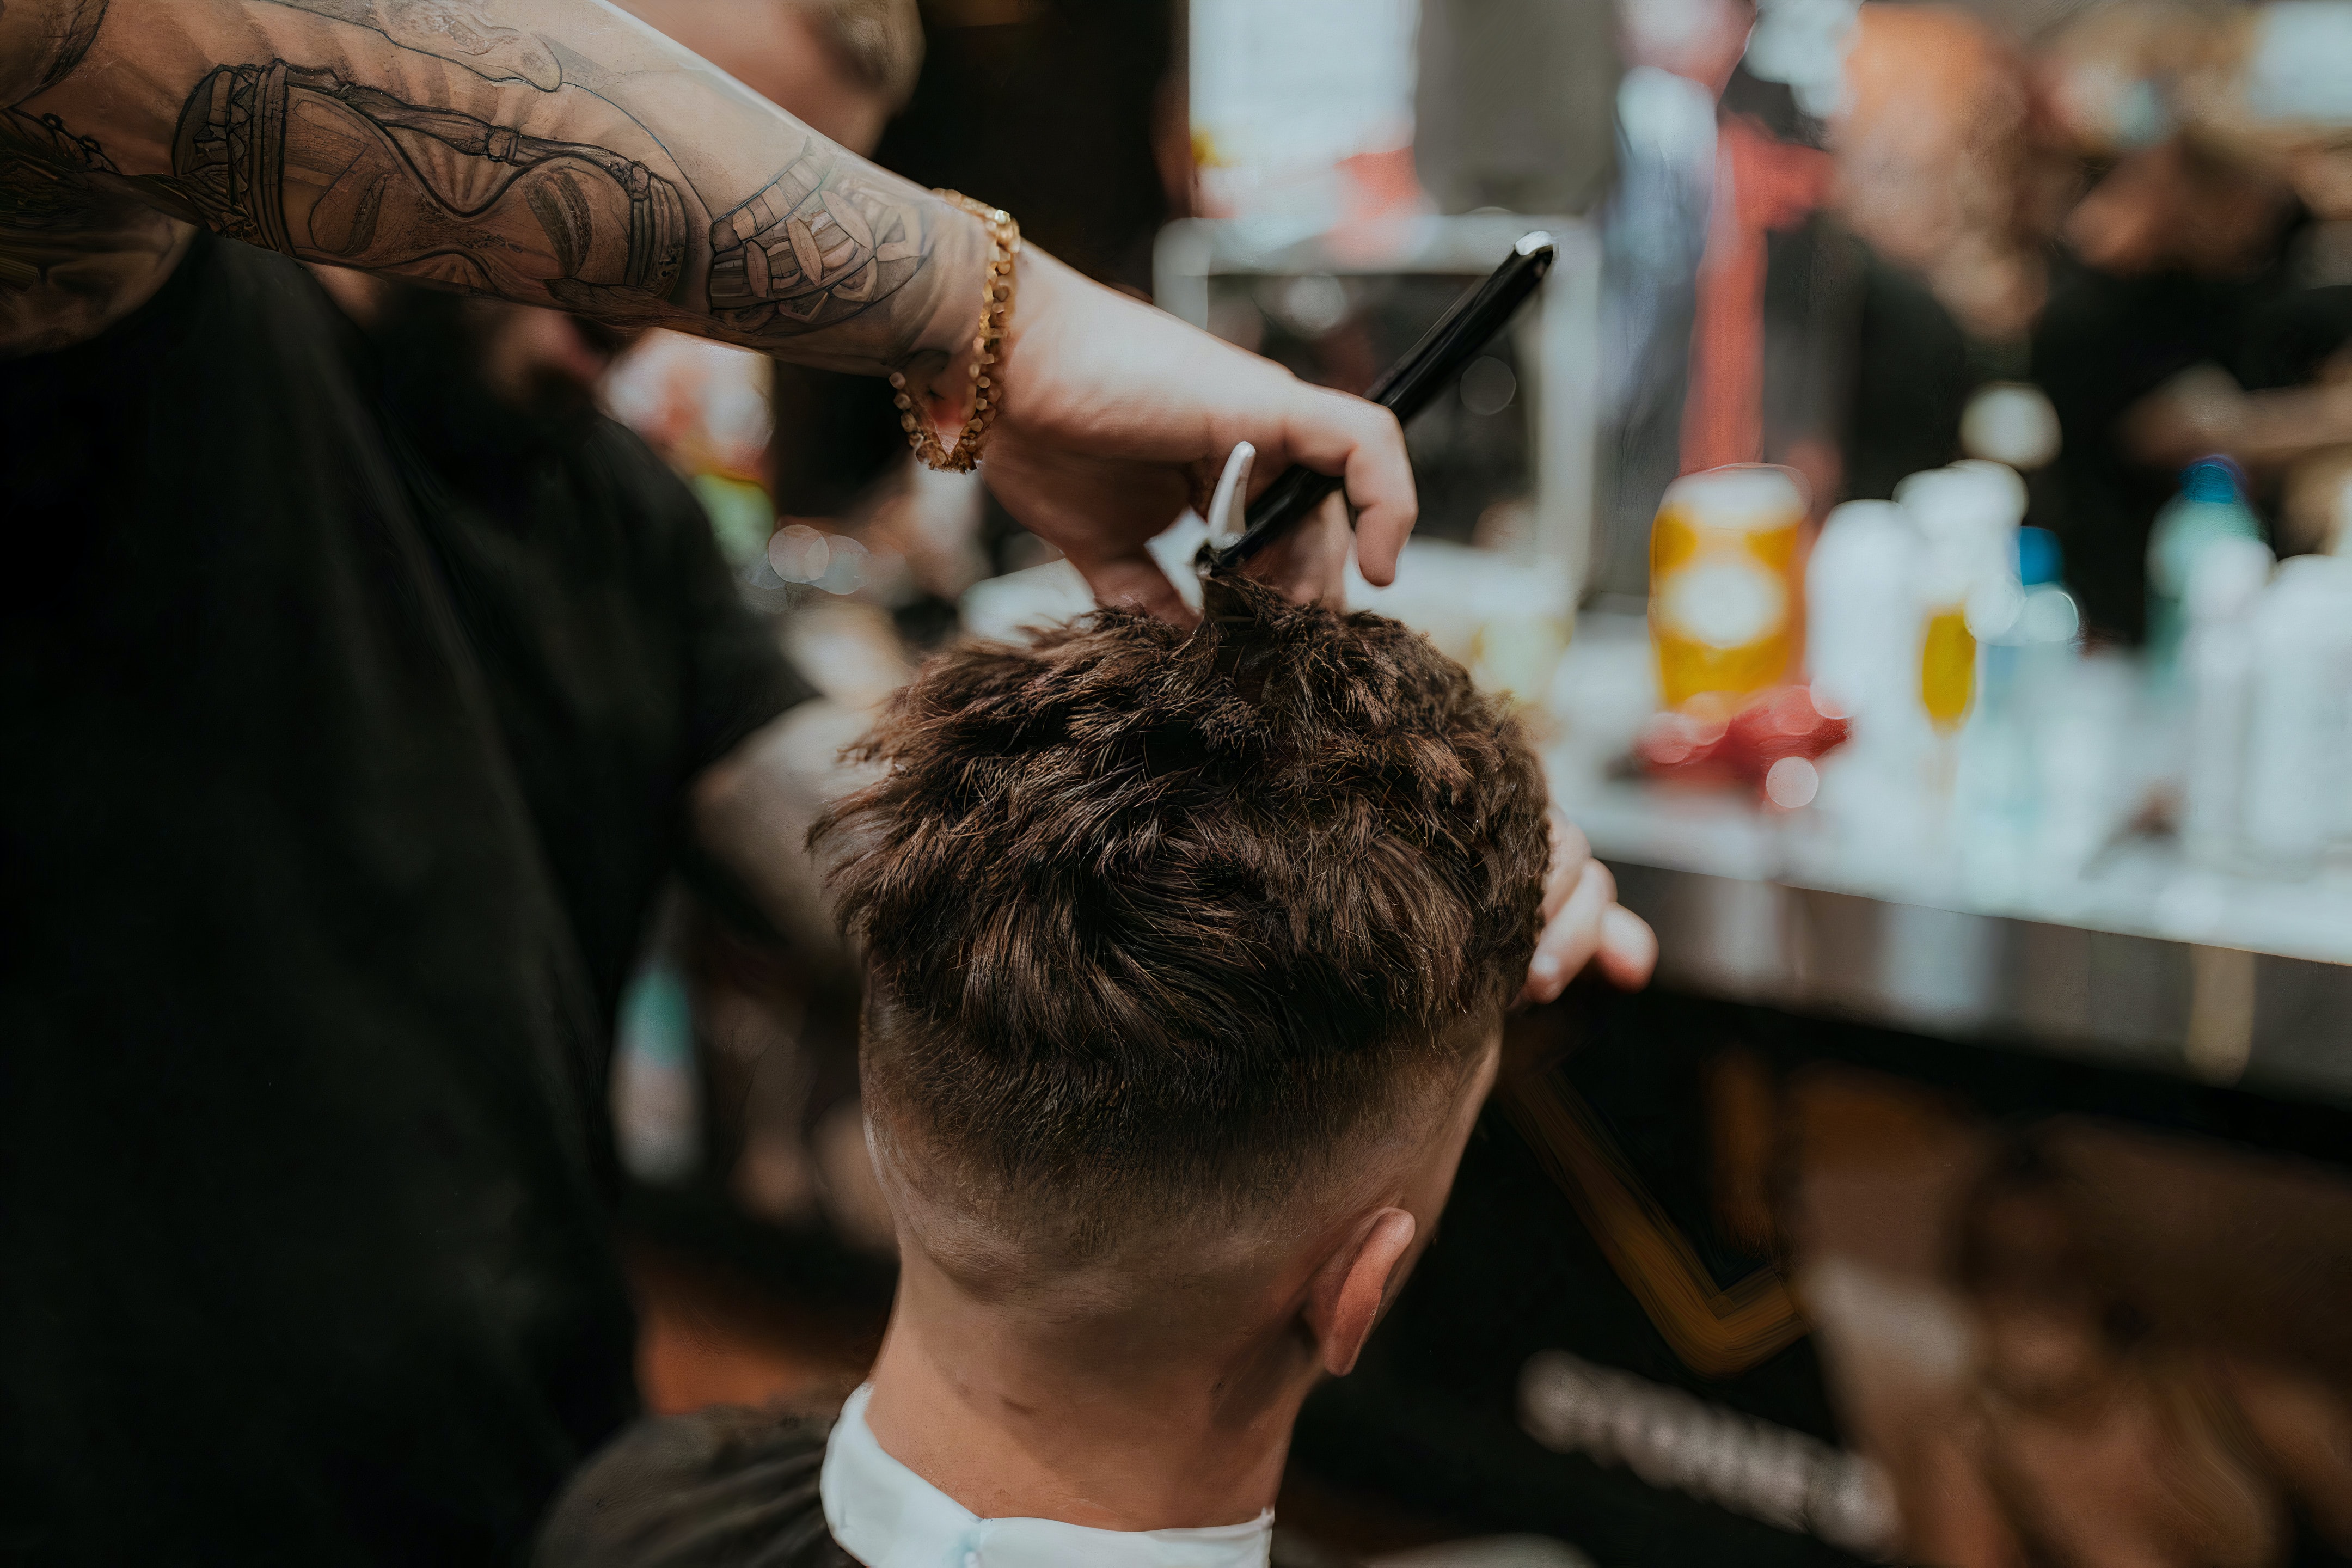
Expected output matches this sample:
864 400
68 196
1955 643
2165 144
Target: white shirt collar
886 1516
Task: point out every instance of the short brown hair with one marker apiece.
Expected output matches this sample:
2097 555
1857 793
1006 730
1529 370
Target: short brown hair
1170 913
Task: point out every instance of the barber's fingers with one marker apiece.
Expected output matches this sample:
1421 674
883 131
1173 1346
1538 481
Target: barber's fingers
1570 853
1362 443
1570 938
1629 948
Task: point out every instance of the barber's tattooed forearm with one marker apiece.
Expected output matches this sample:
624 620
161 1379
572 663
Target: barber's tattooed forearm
461 142
815 246
457 33
304 162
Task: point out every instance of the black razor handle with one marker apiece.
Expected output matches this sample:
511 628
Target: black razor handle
1407 386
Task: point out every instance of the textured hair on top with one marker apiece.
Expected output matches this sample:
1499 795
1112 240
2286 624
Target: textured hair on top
1155 917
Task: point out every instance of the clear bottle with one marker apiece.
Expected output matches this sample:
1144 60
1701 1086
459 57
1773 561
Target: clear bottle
2031 657
2028 662
2212 505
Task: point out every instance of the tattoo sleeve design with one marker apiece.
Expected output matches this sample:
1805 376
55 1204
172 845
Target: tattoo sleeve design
305 162
546 152
453 30
812 248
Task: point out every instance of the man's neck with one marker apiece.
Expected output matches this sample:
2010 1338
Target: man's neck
965 1397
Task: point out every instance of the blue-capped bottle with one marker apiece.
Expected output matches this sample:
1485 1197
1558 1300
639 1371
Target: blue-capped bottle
2049 623
2030 634
2212 505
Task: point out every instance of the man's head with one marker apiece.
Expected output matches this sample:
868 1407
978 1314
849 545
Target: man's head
1187 956
842 67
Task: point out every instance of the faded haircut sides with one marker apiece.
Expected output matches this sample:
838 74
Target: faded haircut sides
1160 920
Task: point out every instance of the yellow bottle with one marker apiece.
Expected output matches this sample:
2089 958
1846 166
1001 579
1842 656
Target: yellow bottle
1947 668
1723 580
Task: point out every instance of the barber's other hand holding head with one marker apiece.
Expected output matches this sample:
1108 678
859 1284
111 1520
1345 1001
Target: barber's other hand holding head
1116 415
1584 923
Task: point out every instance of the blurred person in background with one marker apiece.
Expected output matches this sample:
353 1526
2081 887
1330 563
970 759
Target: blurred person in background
1935 173
1728 301
1931 152
311 917
1820 293
1758 350
2269 88
1678 56
2089 1438
2183 325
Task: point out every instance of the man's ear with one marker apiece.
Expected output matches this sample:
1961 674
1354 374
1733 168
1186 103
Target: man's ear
1345 1298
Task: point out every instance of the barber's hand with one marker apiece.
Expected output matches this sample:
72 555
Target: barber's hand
1115 417
1584 923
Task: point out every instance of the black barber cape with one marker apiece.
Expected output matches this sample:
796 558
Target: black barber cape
728 1488
304 1161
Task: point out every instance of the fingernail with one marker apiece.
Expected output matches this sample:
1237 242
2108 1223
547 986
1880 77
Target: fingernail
1545 966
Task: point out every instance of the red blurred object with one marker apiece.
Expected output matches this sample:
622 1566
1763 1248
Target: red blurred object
1706 740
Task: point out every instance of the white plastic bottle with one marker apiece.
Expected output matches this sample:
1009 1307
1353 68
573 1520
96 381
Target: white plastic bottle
1862 625
2218 664
2296 734
1861 649
1972 509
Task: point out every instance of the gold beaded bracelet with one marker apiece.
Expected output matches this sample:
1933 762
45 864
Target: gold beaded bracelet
995 310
